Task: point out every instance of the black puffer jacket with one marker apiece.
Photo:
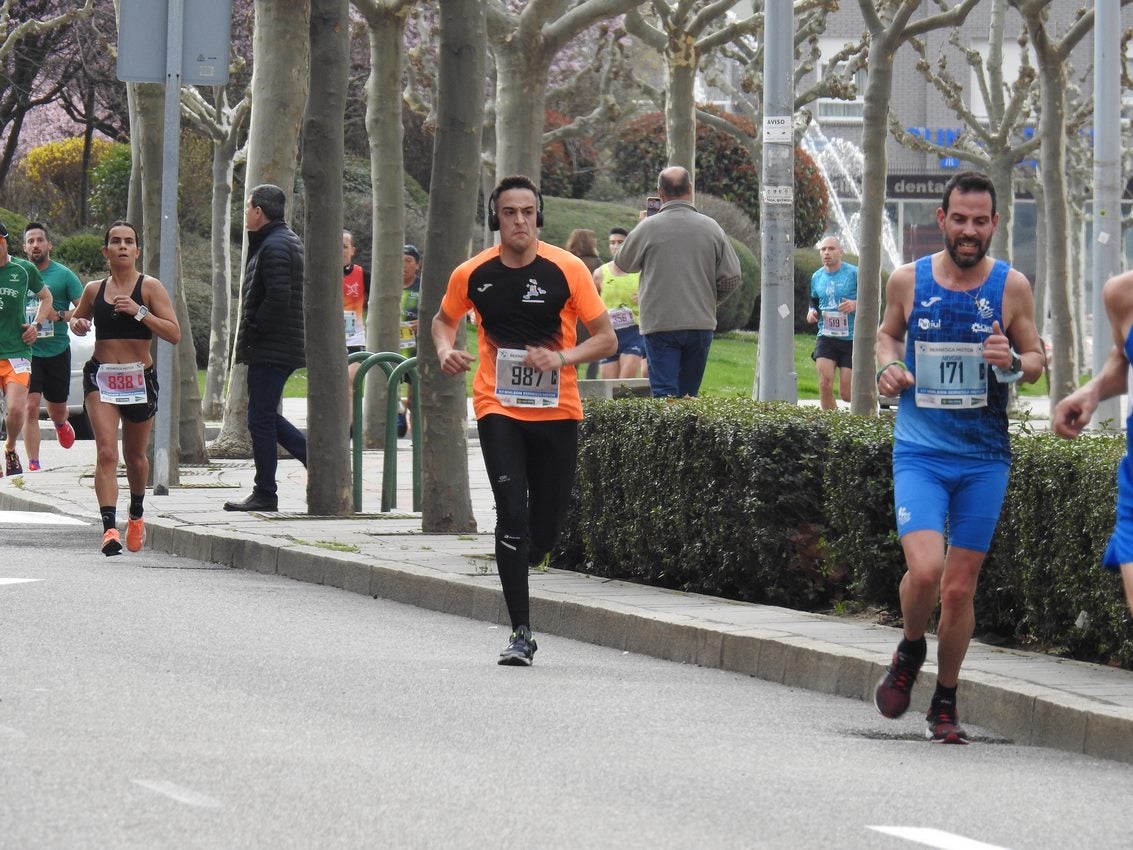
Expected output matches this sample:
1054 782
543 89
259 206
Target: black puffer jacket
271 316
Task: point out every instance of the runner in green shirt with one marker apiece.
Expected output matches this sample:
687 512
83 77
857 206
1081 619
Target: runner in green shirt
18 279
51 352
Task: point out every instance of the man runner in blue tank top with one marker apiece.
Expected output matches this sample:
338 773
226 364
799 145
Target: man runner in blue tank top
1074 412
958 328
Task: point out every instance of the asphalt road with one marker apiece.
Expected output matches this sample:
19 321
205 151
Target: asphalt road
151 701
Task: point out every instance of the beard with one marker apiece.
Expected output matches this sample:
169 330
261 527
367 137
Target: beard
966 261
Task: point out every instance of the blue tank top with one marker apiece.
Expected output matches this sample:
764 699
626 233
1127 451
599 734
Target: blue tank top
945 315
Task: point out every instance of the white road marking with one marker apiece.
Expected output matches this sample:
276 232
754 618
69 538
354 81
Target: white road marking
37 518
935 838
18 580
179 793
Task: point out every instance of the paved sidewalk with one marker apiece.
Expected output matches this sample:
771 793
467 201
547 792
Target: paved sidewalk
1025 697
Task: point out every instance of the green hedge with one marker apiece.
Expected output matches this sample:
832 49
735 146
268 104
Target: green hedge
791 506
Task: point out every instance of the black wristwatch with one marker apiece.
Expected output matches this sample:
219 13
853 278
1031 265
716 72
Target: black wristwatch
1016 362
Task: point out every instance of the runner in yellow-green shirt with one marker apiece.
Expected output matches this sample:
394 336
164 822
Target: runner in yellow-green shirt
619 294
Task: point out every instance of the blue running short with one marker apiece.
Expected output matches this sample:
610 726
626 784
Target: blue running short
630 341
942 492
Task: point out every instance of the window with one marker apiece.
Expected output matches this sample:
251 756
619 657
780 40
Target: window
832 110
1012 62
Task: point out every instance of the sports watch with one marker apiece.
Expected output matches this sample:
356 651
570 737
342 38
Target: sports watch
143 311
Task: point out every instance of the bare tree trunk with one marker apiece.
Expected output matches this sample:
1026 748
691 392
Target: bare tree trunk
387 174
524 44
328 481
879 90
149 125
190 423
446 503
1002 173
225 139
680 110
1052 157
1042 310
889 27
279 92
520 108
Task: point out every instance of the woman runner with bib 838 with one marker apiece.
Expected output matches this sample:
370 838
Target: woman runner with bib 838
127 309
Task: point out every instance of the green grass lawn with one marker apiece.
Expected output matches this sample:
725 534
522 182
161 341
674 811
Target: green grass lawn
730 372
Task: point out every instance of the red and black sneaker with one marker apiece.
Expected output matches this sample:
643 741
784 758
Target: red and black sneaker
895 689
65 434
944 725
12 463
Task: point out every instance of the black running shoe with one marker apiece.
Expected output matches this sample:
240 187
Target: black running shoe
895 689
520 650
12 463
944 725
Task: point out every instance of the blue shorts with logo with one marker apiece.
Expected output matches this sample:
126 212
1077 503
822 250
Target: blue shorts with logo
951 494
630 341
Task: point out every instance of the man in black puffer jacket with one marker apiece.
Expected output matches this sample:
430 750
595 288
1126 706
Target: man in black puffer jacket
270 338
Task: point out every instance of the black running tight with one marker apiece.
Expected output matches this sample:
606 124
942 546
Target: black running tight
531 469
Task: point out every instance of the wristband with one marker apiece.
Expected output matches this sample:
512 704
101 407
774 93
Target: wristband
562 357
878 374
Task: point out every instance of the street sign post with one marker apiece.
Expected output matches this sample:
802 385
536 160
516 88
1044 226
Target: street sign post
175 42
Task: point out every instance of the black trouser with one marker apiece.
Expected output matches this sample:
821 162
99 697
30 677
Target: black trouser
531 468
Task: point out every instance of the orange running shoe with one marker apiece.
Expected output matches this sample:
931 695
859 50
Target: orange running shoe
111 542
135 534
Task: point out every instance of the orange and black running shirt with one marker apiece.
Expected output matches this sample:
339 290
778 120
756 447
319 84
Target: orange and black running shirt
539 304
354 292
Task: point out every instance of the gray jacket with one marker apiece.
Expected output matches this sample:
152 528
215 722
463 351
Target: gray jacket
687 266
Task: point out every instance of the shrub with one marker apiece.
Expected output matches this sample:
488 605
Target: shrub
769 502
110 184
567 166
734 312
724 167
54 172
82 254
15 224
194 195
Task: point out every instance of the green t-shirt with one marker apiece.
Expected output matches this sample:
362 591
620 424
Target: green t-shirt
18 279
66 289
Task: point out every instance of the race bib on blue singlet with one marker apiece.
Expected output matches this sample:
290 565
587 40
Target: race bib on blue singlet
951 375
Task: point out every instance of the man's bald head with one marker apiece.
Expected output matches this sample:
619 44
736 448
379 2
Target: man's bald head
674 183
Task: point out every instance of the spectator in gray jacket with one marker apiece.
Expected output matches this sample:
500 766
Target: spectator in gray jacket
687 267
270 339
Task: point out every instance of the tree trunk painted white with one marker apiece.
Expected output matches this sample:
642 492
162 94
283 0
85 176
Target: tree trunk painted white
279 93
446 503
329 491
386 24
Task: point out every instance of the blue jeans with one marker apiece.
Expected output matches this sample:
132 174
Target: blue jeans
267 427
676 361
